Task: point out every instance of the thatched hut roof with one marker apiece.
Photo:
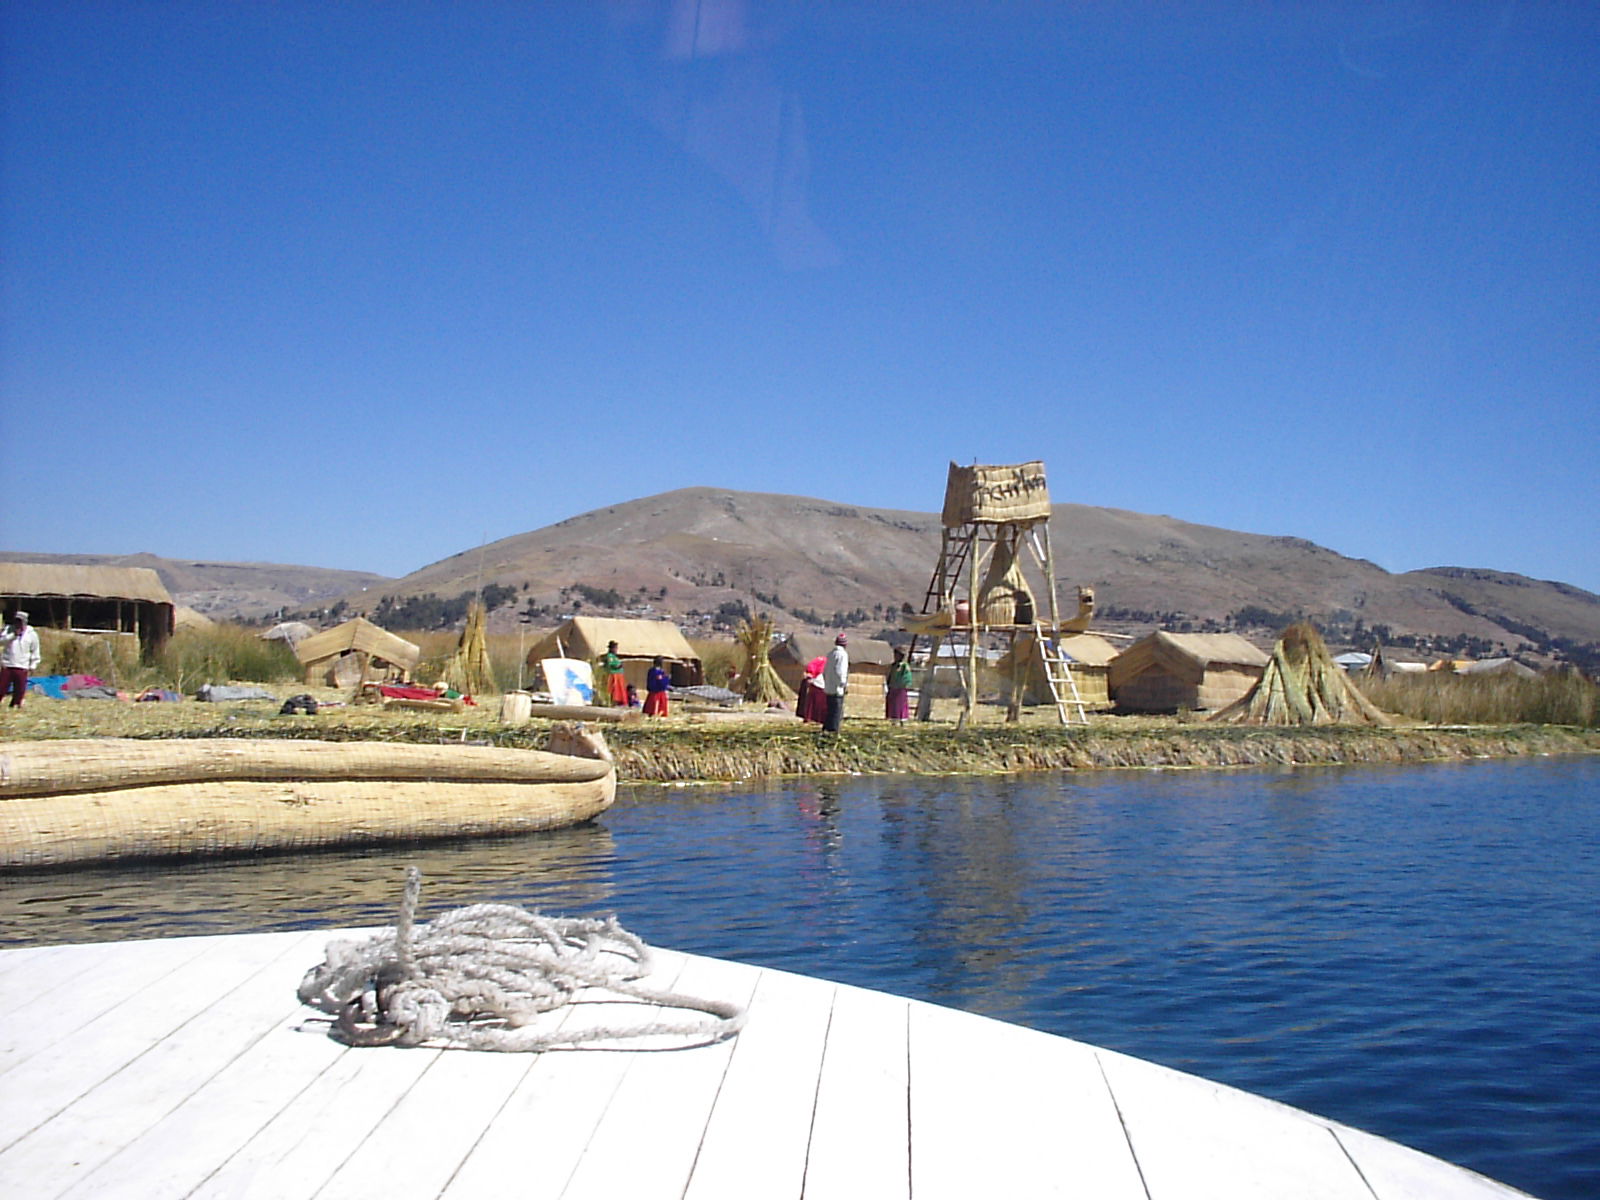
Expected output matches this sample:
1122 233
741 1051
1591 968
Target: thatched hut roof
1088 649
92 599
104 583
803 647
291 632
587 637
1185 654
184 617
358 634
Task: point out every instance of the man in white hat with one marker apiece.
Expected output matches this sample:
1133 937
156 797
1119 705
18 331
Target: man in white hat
836 682
19 654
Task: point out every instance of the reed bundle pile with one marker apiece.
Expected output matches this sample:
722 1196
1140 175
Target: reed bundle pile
469 669
762 684
1302 685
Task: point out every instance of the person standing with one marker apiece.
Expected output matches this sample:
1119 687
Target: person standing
613 684
896 697
19 654
836 682
656 683
811 704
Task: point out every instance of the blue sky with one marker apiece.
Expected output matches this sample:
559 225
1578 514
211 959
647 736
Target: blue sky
364 285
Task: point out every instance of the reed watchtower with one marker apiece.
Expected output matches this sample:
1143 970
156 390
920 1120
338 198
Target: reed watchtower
995 573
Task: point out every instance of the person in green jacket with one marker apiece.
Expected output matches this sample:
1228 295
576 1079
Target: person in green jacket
609 679
897 696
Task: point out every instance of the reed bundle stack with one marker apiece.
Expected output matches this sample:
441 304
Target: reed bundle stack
762 684
1302 685
469 669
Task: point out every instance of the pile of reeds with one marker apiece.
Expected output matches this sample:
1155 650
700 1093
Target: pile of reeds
1302 685
469 669
762 684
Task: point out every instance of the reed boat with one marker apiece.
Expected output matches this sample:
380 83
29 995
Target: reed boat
105 799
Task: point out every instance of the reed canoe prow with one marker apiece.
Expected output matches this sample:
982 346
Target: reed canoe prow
108 799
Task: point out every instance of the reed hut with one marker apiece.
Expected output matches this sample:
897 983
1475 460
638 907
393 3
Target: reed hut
1166 672
638 642
130 601
349 655
869 657
1087 655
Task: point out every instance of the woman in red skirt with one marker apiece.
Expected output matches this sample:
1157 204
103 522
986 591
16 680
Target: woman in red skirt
656 683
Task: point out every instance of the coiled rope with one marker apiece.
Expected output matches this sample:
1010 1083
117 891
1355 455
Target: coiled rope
475 978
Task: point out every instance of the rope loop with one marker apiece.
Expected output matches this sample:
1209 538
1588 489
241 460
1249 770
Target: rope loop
481 976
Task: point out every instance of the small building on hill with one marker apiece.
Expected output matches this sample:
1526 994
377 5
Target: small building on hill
353 653
869 657
1166 672
122 600
638 642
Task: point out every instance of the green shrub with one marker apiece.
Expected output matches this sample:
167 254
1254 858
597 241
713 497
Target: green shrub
222 653
111 657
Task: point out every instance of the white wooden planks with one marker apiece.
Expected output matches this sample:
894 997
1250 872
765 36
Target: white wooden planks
998 1110
186 1068
756 1141
861 1130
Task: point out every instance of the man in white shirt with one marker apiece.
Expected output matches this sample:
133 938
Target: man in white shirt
835 683
19 654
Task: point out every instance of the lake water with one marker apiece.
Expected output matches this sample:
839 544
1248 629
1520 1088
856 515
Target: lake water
1415 951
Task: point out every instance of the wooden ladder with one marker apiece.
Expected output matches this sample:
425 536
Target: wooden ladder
954 548
1058 674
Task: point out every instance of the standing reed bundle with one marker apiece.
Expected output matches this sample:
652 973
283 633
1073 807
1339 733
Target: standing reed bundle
1302 685
762 684
469 669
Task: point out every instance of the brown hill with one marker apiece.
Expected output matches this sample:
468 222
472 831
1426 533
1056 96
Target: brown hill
696 549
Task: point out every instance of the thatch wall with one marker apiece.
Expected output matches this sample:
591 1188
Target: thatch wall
995 494
1166 672
130 600
369 646
869 657
638 642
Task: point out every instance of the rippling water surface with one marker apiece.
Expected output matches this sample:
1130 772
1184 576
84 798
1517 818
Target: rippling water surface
1415 951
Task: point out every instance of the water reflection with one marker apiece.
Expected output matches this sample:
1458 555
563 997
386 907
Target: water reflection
561 870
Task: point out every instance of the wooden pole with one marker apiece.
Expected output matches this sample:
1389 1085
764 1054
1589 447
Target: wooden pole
972 627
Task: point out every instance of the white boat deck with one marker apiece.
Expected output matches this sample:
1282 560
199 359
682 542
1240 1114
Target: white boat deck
186 1067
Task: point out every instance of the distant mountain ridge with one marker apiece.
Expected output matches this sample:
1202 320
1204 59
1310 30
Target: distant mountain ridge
696 549
701 550
229 591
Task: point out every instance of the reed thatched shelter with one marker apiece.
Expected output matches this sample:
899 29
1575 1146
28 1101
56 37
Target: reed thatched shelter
350 654
1166 672
637 643
869 657
1302 685
130 601
1087 655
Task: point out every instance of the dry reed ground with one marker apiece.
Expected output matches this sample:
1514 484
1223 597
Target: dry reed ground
691 747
